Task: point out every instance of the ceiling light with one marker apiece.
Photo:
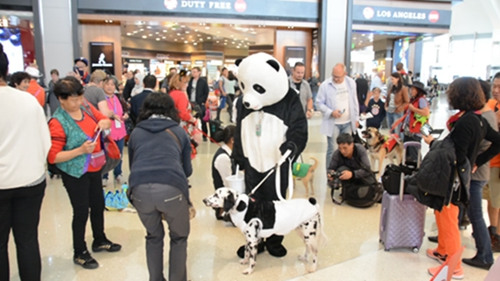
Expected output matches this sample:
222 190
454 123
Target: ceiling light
144 37
207 27
158 39
150 35
185 42
164 30
178 34
187 31
201 39
208 38
175 39
142 29
129 34
195 43
164 37
157 32
148 27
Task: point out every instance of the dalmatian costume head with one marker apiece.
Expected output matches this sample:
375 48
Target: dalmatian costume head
258 92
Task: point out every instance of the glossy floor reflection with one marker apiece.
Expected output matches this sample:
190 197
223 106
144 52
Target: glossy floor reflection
352 251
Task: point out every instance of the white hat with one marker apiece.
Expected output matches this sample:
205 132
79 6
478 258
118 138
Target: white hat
33 72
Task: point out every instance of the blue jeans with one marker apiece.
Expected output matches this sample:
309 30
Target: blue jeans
479 230
118 169
332 141
393 117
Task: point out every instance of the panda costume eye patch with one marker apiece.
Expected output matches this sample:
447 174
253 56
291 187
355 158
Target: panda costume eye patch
259 88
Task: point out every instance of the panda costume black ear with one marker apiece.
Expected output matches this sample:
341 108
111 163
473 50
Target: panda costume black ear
274 64
237 62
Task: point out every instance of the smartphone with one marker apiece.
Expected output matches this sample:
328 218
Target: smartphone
426 129
342 111
77 70
97 135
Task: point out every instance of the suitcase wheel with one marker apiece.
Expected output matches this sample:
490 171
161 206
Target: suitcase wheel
415 250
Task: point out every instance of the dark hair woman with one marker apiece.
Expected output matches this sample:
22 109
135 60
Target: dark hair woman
20 80
76 150
397 100
118 131
25 142
222 163
160 163
467 130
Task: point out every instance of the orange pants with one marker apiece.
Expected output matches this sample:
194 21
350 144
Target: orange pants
448 232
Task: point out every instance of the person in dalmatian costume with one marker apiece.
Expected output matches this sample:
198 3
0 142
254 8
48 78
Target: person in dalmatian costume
270 123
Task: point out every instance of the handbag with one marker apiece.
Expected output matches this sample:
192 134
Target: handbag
97 159
112 152
109 146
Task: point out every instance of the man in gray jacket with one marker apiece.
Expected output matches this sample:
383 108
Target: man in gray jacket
303 89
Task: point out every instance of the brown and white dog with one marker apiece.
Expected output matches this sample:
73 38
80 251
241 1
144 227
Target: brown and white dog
381 147
261 219
299 169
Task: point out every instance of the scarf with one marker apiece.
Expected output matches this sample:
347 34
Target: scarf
454 118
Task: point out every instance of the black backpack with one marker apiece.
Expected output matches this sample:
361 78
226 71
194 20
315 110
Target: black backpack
360 193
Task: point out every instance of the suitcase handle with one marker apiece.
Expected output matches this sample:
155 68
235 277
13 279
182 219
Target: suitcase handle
383 219
402 179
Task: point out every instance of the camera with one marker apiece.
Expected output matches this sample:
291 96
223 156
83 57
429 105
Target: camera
335 182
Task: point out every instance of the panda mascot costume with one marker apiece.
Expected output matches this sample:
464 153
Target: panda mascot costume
270 122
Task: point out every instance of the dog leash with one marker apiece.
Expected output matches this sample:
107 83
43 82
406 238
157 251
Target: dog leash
278 177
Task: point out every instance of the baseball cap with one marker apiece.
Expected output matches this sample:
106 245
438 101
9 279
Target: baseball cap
33 72
82 59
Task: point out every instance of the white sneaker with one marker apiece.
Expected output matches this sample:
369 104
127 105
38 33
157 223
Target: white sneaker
119 179
104 182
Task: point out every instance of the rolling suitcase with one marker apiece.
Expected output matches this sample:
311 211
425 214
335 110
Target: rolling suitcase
402 217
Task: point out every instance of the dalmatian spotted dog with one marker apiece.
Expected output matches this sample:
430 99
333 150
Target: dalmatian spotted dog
261 219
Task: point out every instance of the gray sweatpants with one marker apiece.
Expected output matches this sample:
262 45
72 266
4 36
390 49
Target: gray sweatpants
151 201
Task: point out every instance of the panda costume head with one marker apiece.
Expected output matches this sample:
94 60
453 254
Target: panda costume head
259 92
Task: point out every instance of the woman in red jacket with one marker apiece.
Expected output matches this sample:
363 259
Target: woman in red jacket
178 86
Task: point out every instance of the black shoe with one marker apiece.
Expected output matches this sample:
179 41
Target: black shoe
274 245
477 263
433 239
277 251
106 246
85 260
241 250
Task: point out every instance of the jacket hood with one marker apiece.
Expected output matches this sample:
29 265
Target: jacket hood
155 125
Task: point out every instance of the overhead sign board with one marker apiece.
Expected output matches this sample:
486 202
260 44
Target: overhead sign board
364 14
295 10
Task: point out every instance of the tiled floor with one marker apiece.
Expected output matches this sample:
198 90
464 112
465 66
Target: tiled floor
352 251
